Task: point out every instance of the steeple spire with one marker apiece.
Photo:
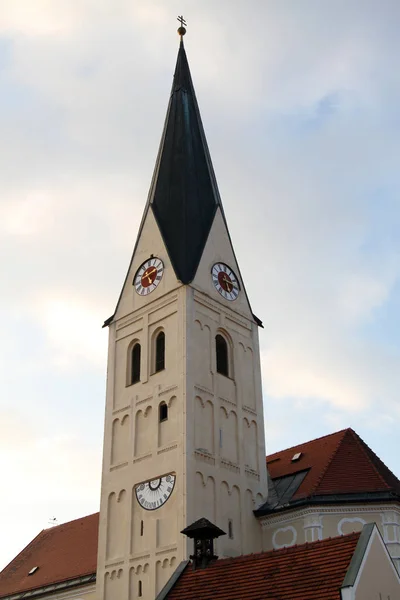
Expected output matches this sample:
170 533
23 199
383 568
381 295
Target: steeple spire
184 194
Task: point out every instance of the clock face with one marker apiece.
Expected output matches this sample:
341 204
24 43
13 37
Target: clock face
153 494
148 276
225 281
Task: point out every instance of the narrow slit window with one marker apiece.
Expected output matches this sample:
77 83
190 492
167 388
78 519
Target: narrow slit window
230 529
163 412
160 352
140 590
141 528
135 364
221 348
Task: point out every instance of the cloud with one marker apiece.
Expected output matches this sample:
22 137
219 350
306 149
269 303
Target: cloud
30 215
66 320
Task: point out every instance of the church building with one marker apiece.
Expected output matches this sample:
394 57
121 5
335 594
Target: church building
184 475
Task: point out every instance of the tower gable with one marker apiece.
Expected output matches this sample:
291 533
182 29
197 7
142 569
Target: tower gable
219 249
149 243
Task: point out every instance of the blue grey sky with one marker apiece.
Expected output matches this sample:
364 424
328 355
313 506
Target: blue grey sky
300 103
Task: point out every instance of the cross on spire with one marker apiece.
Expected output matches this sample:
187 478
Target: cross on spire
182 28
181 20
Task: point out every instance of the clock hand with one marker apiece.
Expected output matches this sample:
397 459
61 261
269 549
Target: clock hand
229 282
147 275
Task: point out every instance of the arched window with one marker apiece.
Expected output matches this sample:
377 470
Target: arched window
162 412
221 348
135 364
160 352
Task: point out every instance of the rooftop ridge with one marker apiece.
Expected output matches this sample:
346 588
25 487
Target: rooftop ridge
69 522
288 550
322 437
362 445
330 460
371 455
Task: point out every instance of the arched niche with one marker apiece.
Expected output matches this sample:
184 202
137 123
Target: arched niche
164 569
204 424
205 498
230 517
202 354
247 375
250 442
166 529
228 438
167 427
138 574
120 441
117 524
259 500
139 530
143 433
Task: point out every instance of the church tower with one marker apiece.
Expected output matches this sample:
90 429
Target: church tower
184 429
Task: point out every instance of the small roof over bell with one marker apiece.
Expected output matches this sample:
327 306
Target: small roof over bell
203 529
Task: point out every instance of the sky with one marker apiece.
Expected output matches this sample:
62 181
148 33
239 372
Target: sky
300 104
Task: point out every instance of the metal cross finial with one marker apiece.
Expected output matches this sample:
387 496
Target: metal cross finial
181 20
181 29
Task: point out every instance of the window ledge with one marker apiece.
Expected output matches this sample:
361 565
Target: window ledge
157 372
131 384
226 376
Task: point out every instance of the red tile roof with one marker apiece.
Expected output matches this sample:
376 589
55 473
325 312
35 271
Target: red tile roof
62 553
339 463
312 571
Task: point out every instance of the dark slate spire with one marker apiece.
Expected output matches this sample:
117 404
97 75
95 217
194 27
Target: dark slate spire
184 194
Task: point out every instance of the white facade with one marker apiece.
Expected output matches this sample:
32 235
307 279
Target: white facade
309 524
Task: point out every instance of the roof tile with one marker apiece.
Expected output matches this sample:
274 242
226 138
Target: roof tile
62 553
339 463
312 571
